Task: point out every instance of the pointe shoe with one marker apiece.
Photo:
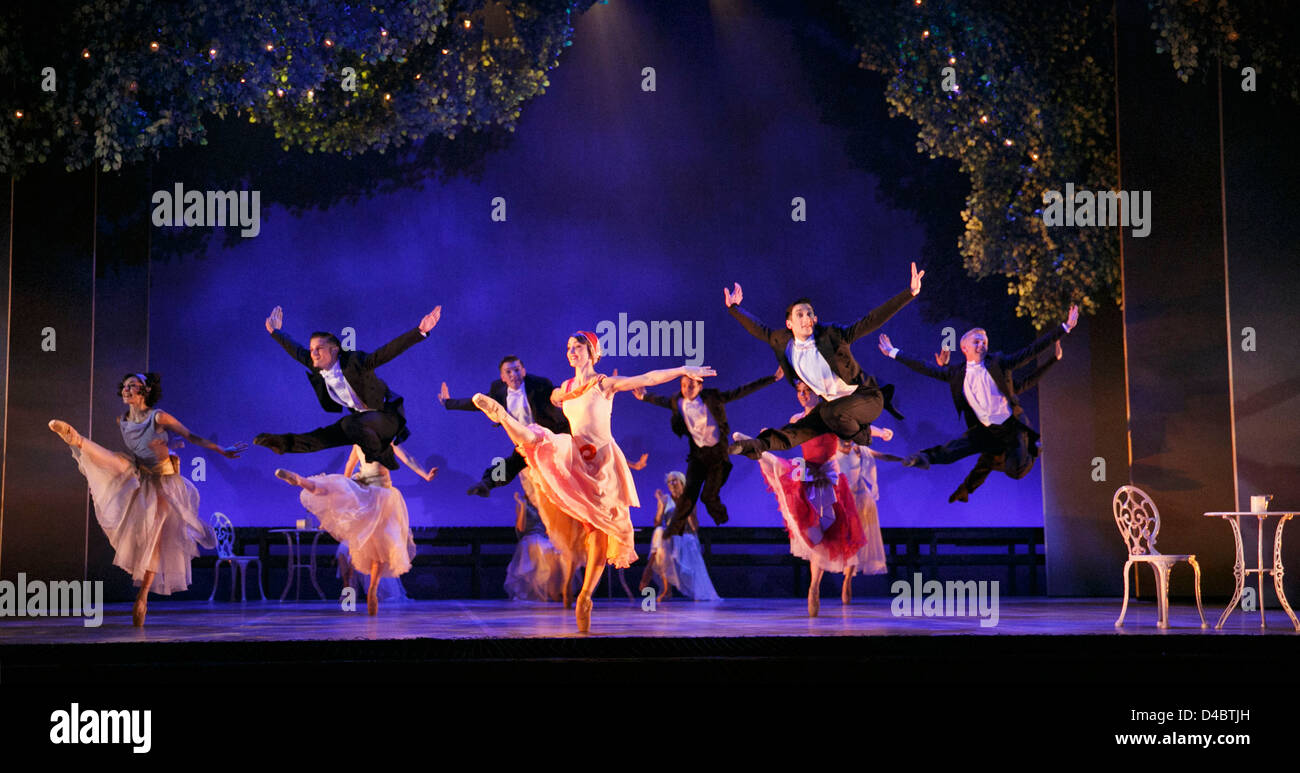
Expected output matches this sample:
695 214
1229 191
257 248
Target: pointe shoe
138 611
489 406
583 613
814 604
372 604
66 433
288 476
846 592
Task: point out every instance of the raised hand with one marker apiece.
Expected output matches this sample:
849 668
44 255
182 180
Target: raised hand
884 433
1059 352
639 464
942 357
916 279
780 373
885 345
639 393
1073 318
443 393
660 496
732 297
698 372
276 319
430 319
233 452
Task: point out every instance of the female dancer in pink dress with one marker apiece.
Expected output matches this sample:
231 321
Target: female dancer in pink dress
148 510
365 513
582 480
824 518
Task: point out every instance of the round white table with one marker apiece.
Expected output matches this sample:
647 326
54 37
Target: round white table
1239 570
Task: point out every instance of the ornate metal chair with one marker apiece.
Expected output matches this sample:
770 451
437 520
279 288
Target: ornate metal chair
1139 523
225 532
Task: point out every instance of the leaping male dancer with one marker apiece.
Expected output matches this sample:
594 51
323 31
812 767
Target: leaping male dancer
701 415
819 356
984 394
375 419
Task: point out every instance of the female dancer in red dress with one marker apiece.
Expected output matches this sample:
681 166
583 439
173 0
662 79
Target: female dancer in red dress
582 480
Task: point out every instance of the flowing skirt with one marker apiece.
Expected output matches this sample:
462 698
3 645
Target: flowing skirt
535 573
371 519
871 558
684 567
821 514
580 486
151 520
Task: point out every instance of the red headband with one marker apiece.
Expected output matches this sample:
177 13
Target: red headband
595 344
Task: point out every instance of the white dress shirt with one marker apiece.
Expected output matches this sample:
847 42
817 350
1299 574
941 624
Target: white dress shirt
985 398
704 431
517 405
813 369
340 390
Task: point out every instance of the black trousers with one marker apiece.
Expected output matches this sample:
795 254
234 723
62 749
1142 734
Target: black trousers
848 417
515 463
1009 441
707 469
373 431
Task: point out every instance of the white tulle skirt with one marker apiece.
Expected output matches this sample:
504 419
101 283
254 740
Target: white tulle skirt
684 567
535 572
371 519
151 520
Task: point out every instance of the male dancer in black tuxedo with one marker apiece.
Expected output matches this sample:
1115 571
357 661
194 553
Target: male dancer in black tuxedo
375 419
700 415
819 356
984 394
528 399
990 461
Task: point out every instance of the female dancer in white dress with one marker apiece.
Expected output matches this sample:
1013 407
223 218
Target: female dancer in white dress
584 487
675 553
535 572
824 518
366 513
148 510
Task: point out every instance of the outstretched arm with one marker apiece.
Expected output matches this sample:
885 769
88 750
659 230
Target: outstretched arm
1017 359
403 342
169 423
920 366
644 396
881 314
752 387
624 383
454 403
1031 379
757 329
295 349
414 465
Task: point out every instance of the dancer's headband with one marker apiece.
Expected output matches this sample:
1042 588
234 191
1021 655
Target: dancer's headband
594 342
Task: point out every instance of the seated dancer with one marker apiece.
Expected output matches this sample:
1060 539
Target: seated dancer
701 415
826 524
525 397
366 513
375 419
535 572
985 396
582 480
148 510
819 356
989 460
675 555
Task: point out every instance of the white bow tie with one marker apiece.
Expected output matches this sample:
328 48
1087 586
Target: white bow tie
803 346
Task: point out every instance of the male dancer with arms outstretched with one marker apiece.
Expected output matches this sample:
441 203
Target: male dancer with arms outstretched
375 419
701 415
984 394
819 356
525 397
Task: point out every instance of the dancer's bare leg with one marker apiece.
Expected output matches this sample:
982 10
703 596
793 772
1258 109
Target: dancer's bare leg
846 592
815 590
140 608
372 593
519 433
597 546
294 479
98 455
566 595
663 578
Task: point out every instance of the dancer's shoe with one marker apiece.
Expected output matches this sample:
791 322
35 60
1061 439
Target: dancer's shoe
66 433
582 613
